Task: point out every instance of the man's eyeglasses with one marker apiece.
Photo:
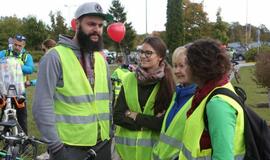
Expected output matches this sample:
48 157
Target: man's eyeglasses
20 37
146 53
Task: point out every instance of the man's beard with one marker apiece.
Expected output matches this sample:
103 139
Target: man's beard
86 44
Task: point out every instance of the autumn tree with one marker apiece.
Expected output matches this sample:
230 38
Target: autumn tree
195 21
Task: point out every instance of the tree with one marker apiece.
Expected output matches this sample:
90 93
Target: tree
221 29
265 33
58 25
119 15
9 27
195 21
35 32
174 25
236 33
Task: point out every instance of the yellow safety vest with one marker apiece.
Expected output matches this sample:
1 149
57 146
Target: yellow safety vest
121 73
136 145
170 140
194 128
79 109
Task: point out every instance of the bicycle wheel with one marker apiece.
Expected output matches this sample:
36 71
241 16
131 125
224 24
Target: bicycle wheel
28 151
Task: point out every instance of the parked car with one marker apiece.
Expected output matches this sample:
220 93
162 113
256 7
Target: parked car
239 54
109 56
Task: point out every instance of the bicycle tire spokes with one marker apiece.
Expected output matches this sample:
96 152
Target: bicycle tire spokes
28 151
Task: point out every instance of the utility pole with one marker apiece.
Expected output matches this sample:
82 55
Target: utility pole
246 22
146 18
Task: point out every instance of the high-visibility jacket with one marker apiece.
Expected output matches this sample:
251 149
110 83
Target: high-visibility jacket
21 58
194 128
121 73
80 110
170 140
136 145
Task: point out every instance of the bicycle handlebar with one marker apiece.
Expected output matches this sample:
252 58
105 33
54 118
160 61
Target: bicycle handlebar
21 138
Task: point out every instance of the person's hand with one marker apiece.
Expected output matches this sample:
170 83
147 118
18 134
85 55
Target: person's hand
131 115
161 114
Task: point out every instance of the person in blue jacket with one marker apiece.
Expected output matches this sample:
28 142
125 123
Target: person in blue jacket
25 58
185 88
169 144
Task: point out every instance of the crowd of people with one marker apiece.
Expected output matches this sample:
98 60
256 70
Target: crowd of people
153 112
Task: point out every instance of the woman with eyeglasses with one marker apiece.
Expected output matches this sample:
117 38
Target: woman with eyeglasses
143 101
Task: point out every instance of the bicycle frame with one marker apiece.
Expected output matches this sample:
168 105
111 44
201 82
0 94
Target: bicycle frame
10 111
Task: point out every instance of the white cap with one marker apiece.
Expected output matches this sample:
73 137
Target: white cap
91 8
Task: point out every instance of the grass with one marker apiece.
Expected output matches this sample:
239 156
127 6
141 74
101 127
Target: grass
255 94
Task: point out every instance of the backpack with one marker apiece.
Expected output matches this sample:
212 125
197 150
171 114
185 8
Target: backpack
256 130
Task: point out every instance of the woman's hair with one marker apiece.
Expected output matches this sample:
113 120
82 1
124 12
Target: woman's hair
167 84
178 51
207 60
157 44
49 43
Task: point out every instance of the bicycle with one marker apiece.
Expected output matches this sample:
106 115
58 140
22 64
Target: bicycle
235 72
17 145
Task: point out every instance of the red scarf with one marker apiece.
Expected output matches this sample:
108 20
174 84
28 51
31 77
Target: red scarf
200 94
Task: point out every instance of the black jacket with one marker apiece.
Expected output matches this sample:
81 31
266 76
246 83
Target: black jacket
142 121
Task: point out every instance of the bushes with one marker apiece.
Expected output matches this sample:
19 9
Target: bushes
36 55
250 55
263 68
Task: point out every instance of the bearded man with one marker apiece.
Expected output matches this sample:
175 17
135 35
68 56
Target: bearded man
72 106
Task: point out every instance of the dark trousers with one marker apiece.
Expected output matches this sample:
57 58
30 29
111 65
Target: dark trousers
80 153
22 118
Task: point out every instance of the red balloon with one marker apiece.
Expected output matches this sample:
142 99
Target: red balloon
116 31
73 24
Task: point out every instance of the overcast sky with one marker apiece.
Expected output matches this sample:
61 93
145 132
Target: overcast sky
251 11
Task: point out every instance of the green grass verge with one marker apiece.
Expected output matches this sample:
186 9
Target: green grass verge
255 93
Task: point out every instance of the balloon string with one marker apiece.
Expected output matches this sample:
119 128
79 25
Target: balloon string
121 51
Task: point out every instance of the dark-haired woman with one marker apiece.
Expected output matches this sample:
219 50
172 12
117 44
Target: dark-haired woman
214 130
143 101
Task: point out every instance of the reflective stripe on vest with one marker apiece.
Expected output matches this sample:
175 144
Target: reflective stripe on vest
188 156
80 109
83 98
194 128
170 140
136 145
134 142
